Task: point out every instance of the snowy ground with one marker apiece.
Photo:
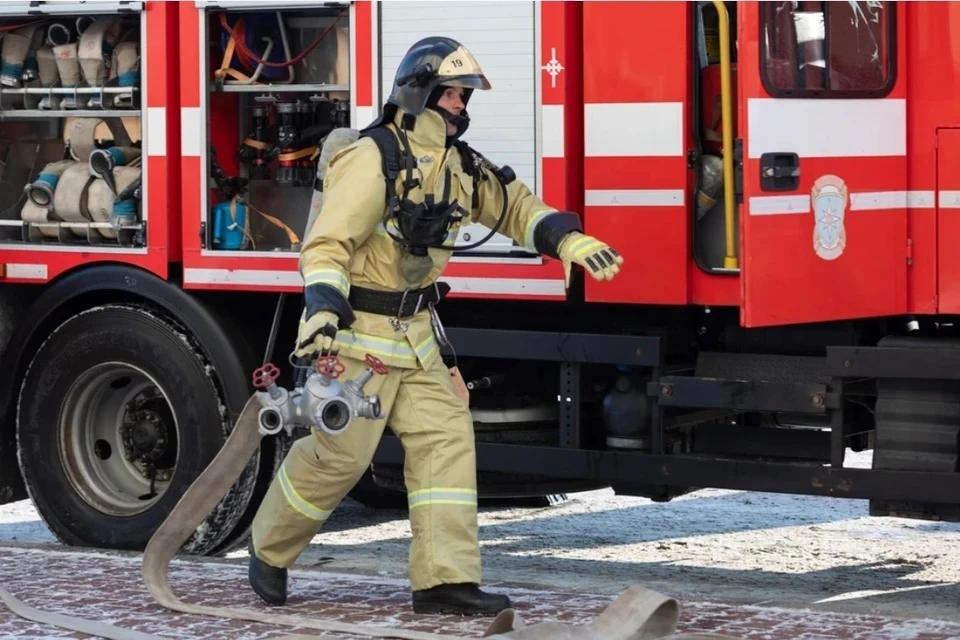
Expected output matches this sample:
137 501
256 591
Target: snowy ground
717 546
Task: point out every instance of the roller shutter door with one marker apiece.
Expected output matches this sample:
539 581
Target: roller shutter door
501 36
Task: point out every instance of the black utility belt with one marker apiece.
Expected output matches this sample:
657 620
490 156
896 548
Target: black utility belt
397 304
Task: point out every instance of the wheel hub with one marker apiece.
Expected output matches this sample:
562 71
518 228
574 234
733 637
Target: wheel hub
148 441
148 430
118 439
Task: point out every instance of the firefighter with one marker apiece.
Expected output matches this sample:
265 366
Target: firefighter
370 283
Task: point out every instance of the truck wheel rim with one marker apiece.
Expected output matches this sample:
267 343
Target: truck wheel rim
116 429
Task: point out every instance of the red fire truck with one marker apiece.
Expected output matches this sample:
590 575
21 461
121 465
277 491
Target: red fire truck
779 177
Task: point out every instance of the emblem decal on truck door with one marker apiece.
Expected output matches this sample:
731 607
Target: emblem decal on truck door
829 198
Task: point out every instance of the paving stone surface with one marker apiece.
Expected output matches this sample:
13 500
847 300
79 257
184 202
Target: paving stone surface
108 587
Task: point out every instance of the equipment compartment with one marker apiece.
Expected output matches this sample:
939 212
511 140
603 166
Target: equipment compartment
70 129
277 83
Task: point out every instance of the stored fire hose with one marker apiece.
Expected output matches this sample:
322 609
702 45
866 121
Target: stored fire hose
13 53
99 37
638 613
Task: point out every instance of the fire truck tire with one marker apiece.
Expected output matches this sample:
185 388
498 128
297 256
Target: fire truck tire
11 484
112 392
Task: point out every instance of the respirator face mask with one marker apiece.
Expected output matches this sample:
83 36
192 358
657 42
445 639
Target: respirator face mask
462 121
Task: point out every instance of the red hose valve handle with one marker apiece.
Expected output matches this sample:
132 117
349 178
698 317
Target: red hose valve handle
377 365
330 367
265 376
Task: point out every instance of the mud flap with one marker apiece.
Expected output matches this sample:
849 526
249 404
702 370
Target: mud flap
12 487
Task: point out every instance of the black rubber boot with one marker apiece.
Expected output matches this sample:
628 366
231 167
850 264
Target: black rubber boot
464 599
270 583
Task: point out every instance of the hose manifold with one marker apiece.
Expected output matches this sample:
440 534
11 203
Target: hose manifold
271 421
333 415
322 403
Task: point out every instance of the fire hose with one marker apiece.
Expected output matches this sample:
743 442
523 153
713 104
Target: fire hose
91 53
94 192
325 403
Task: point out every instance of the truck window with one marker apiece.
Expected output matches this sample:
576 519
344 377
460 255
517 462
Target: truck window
827 49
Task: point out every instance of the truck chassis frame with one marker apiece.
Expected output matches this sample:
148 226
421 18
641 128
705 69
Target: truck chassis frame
655 467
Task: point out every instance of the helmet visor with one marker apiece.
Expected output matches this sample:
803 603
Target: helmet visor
468 81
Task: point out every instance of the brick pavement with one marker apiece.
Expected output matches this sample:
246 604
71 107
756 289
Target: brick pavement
107 587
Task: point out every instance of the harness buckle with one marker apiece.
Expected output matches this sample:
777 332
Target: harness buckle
438 331
403 301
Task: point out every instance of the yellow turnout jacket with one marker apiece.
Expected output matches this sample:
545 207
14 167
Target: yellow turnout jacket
348 244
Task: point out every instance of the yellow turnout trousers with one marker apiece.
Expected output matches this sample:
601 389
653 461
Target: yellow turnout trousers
436 430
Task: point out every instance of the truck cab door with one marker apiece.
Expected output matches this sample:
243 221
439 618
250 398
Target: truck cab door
824 211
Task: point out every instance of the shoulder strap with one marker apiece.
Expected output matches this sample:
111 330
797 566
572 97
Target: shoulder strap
471 164
389 148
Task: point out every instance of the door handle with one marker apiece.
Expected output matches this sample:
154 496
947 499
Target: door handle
779 172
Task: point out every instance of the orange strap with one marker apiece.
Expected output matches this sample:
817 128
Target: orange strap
225 69
256 144
297 155
291 235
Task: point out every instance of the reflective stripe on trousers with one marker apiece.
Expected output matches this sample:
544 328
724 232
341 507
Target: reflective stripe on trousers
296 501
426 497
